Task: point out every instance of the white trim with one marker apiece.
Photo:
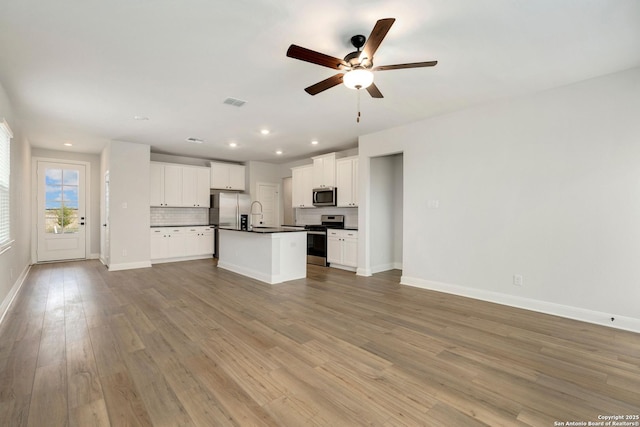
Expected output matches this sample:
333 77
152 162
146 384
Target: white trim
366 272
7 128
343 267
129 266
244 271
383 267
34 204
575 313
183 258
254 274
93 256
13 292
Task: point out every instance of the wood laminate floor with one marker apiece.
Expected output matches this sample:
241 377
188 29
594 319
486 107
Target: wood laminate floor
190 344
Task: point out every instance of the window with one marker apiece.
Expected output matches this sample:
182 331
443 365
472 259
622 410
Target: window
5 173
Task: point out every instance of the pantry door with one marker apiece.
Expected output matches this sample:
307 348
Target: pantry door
269 197
61 211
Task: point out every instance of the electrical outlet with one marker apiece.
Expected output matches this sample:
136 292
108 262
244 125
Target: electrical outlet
124 252
518 280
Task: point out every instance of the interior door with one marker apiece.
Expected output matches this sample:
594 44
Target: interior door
106 244
61 211
269 197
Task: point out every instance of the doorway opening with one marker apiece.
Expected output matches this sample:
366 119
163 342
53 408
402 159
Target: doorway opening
386 212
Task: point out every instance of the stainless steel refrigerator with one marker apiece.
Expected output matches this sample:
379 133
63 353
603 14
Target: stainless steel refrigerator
226 210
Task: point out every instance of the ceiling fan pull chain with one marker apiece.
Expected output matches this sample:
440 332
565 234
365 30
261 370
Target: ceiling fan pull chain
358 117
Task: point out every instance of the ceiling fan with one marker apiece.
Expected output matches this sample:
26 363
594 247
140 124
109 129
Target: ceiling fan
357 67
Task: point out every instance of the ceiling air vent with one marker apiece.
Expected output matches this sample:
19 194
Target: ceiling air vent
234 101
195 140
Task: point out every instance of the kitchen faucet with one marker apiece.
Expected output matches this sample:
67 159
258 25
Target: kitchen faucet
258 213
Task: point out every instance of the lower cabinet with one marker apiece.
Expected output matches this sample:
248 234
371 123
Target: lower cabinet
181 243
342 249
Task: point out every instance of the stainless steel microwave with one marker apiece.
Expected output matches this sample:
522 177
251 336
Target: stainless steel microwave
325 196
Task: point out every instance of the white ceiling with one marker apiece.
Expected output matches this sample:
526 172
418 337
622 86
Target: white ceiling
79 70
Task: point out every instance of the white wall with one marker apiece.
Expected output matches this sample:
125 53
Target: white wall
129 211
93 219
546 186
14 263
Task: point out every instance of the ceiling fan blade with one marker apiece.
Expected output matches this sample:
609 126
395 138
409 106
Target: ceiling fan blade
325 84
410 65
374 91
378 33
314 57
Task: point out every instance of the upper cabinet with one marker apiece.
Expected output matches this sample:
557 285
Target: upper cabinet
195 186
227 176
347 182
302 187
324 171
166 184
173 185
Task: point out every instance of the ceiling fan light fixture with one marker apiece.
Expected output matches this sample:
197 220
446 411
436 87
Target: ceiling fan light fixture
358 78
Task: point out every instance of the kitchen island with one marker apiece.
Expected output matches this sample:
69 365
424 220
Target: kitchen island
271 255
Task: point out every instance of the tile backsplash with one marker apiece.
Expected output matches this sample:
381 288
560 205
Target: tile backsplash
179 216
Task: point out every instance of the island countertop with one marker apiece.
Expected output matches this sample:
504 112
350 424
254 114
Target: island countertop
267 230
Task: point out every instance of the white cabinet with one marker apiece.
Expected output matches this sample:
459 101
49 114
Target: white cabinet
181 243
174 185
195 186
199 241
342 249
165 184
227 176
324 171
347 182
302 187
167 243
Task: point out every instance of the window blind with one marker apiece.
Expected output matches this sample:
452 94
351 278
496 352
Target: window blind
5 176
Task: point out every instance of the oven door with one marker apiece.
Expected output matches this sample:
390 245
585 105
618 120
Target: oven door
317 247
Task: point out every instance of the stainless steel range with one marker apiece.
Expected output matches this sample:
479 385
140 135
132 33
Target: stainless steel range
317 238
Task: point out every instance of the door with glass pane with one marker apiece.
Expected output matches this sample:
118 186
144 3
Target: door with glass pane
61 211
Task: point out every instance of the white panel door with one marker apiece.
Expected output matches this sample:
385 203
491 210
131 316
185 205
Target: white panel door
269 197
61 211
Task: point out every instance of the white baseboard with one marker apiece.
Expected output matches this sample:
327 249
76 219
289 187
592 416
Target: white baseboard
129 266
366 272
184 258
245 272
93 256
386 267
575 313
342 267
13 292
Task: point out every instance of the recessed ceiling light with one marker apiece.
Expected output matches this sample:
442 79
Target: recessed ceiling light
142 118
68 144
314 142
233 145
265 131
279 152
195 140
